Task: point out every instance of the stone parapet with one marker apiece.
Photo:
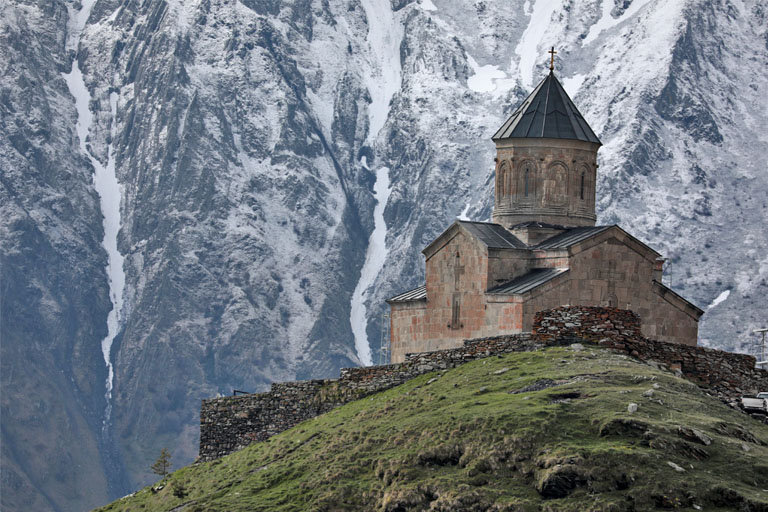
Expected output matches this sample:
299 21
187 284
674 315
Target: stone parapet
727 374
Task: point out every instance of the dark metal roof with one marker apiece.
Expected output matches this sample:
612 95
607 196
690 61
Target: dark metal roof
493 235
536 224
547 112
570 237
419 293
528 282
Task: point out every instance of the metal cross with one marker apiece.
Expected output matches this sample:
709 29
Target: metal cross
552 53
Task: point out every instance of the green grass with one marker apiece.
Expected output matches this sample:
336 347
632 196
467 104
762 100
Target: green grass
465 442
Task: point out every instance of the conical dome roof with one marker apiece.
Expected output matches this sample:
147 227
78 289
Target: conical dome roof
548 112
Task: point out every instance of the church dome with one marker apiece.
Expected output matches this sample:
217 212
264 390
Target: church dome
546 162
548 112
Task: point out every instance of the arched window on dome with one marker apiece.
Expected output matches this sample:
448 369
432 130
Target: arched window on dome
502 181
583 177
554 187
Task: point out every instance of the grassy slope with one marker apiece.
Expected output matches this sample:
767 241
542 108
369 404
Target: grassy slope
464 442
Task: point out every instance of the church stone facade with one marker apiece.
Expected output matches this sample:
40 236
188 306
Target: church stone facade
542 250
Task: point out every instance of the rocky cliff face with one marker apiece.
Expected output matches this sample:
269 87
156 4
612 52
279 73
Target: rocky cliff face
54 294
247 137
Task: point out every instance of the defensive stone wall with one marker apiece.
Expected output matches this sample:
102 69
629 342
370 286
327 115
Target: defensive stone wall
585 322
231 423
725 373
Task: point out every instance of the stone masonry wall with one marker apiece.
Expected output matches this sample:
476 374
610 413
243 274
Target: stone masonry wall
231 423
610 271
727 374
554 182
585 322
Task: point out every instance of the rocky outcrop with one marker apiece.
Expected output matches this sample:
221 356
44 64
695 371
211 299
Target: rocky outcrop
53 289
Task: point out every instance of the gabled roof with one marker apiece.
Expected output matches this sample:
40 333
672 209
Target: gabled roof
672 297
528 282
493 235
570 237
489 234
573 236
419 293
548 112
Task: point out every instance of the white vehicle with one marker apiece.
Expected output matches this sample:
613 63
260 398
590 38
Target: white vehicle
755 404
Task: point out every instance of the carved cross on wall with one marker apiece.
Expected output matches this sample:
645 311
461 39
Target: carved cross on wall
613 275
458 270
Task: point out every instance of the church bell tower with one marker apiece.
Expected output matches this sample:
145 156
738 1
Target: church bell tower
546 163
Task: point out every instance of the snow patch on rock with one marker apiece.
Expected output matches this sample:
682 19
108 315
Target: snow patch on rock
384 36
110 194
463 214
527 50
427 5
720 298
374 262
608 21
484 79
572 84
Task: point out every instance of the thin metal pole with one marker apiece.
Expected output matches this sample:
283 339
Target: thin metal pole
760 349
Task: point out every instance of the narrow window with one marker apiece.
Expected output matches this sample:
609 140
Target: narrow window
498 184
458 270
527 173
582 185
456 311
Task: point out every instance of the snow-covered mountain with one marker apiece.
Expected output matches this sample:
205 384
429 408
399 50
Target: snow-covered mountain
242 183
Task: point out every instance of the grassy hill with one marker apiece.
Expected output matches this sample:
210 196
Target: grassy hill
549 430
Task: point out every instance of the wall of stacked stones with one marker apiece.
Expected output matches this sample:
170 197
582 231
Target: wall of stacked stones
230 423
729 375
585 322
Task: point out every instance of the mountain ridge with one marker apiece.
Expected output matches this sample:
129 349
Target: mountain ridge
247 208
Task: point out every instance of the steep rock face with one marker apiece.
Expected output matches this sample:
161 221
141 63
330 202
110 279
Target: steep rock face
241 229
53 290
247 140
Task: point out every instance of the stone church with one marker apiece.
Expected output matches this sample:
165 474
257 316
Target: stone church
542 249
